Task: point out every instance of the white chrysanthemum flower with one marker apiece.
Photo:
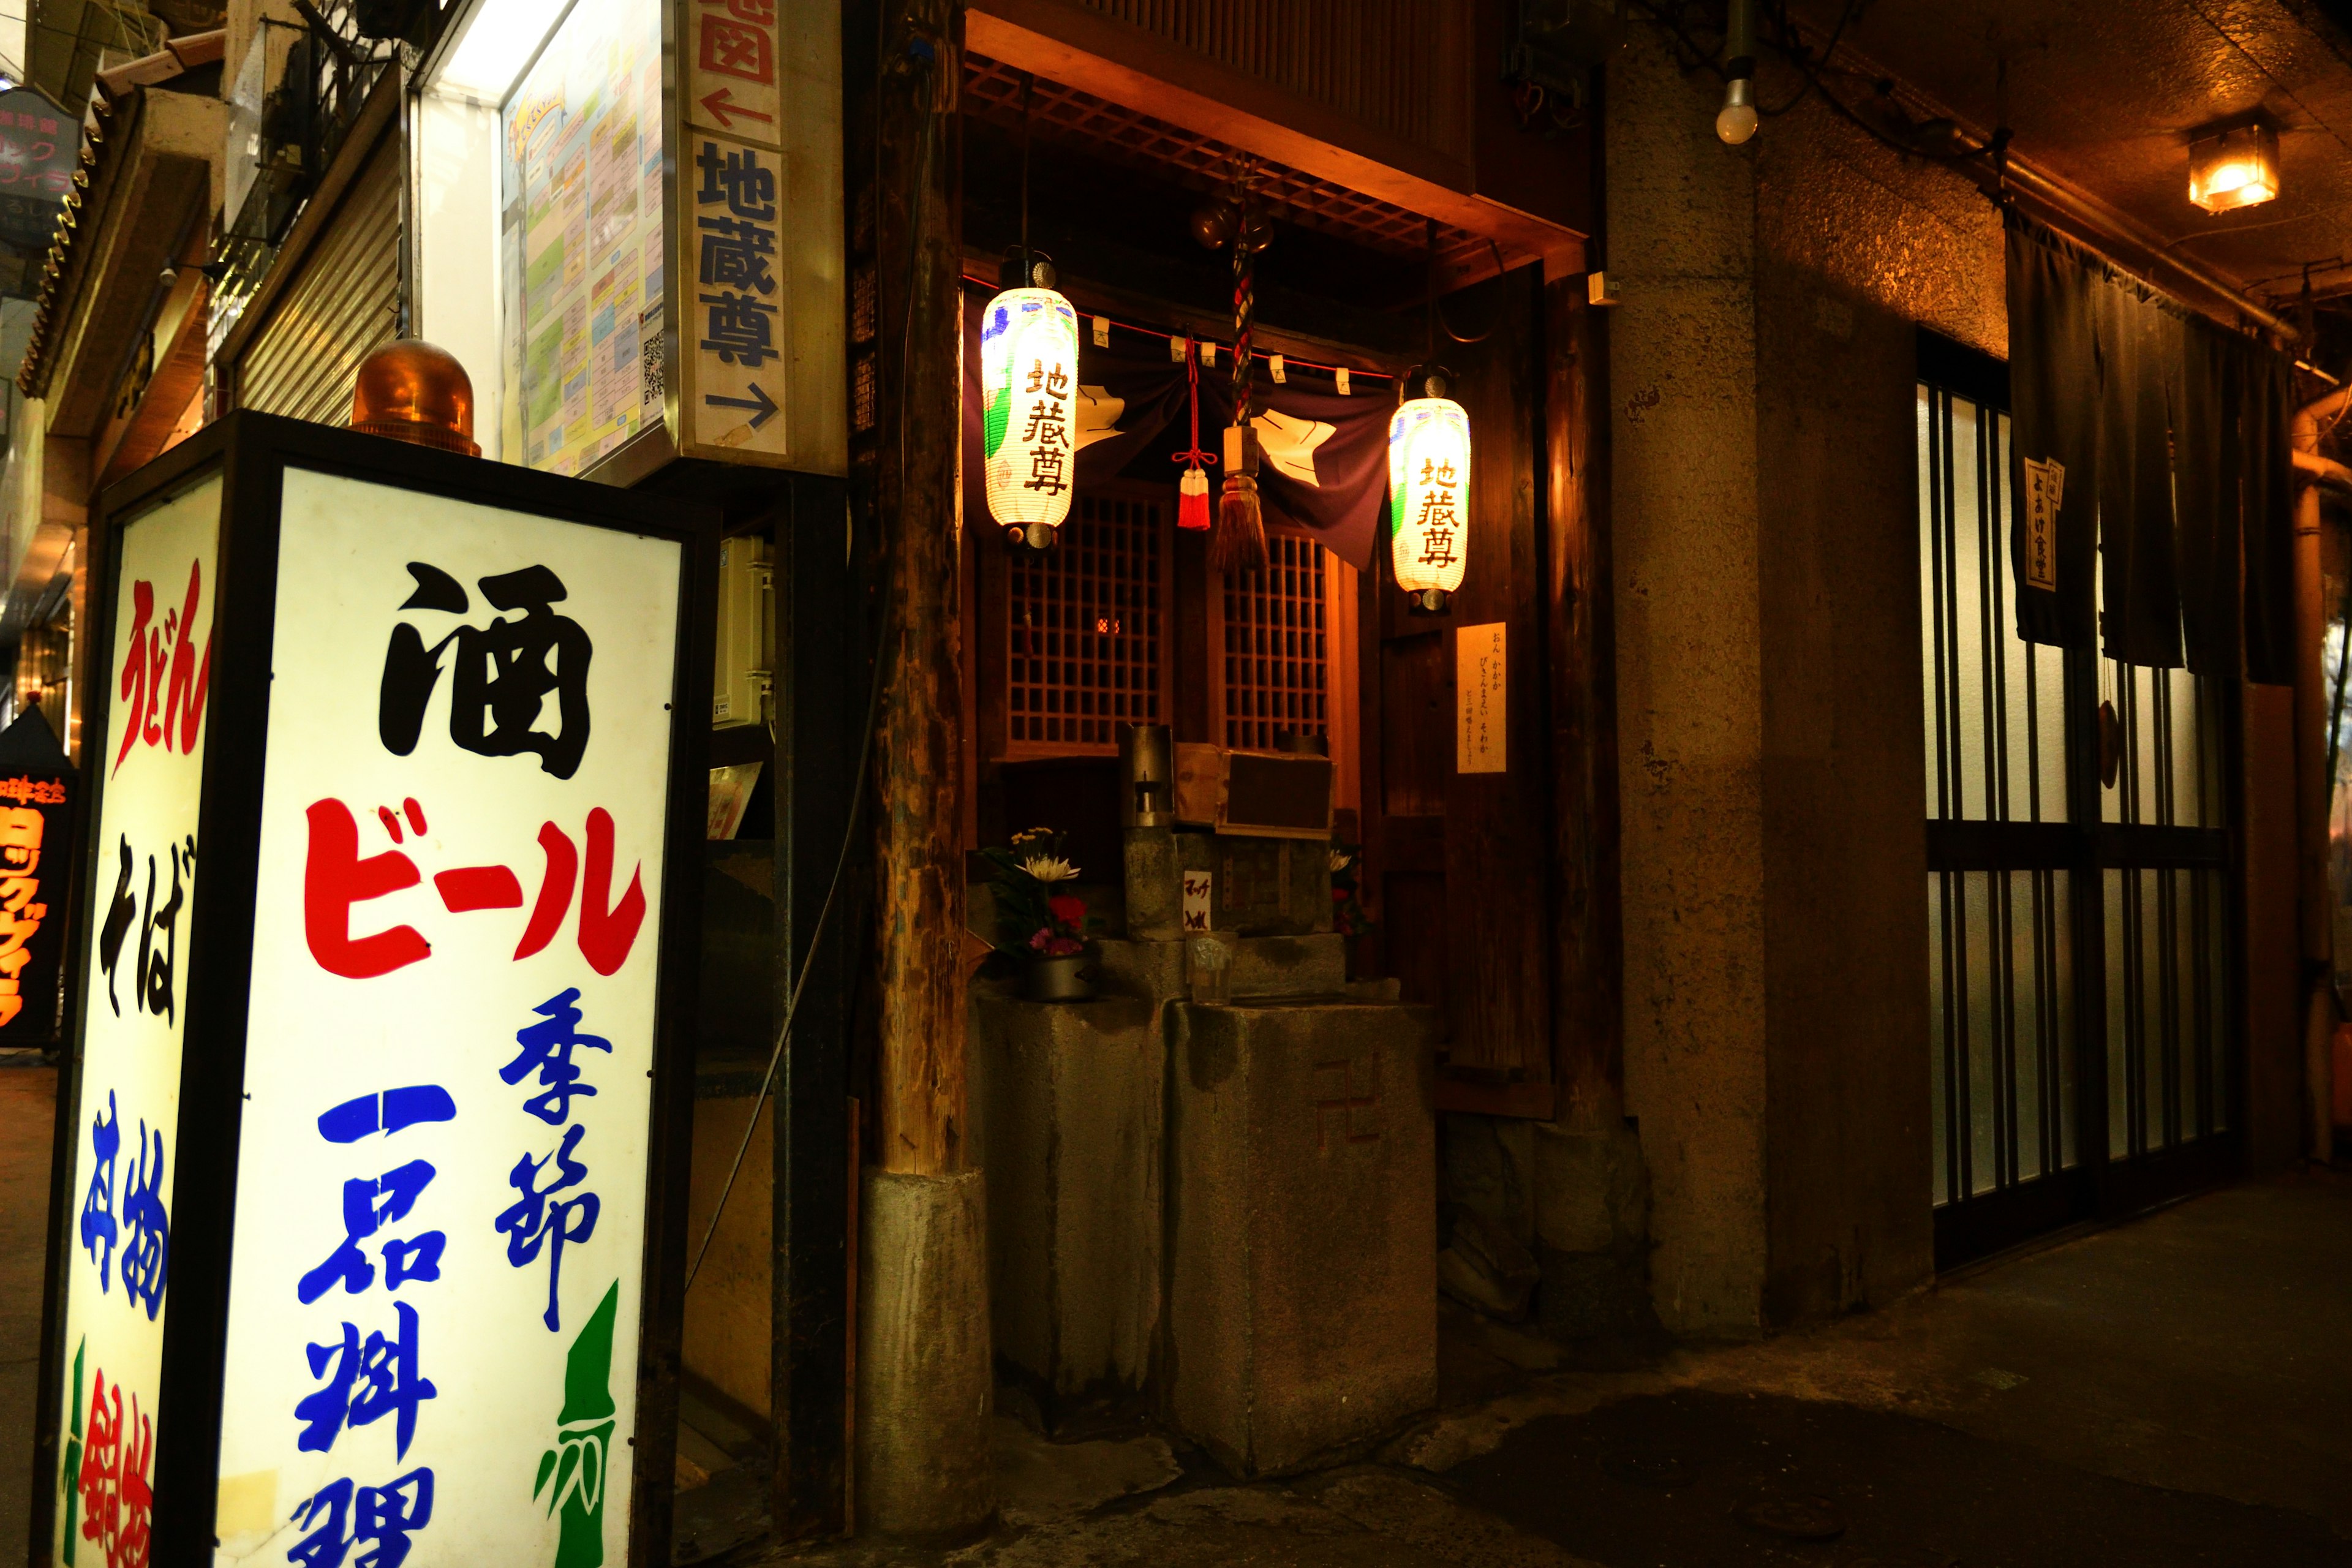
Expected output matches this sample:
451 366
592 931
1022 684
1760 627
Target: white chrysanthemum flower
1340 862
1050 869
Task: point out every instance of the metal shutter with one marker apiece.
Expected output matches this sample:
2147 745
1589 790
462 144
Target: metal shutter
342 306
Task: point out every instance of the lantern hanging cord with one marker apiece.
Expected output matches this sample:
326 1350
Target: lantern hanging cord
866 740
1290 362
1028 97
1195 455
1437 310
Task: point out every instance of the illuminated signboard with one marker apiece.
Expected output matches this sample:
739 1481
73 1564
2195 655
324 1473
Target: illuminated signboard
656 188
36 856
583 236
421 1240
118 1258
38 145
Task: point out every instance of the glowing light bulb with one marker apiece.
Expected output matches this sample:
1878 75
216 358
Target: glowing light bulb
1737 120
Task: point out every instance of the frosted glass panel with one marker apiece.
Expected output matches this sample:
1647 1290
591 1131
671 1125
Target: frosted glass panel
2118 945
1999 966
1939 1023
1995 732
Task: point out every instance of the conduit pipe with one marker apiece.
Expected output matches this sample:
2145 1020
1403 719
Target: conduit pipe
2312 787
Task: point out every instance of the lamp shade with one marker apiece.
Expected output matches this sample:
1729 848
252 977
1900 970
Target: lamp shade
1429 491
2234 168
1029 375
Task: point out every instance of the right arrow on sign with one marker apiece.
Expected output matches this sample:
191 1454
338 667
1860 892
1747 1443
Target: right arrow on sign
758 400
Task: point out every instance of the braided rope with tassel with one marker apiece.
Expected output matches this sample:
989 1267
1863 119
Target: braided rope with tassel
1239 542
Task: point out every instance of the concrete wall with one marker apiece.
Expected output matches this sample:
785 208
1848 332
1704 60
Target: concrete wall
730 1309
1775 862
1853 251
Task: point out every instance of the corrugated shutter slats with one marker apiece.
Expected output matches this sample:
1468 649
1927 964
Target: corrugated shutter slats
343 305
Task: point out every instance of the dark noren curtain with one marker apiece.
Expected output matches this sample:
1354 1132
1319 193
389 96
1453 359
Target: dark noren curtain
2140 623
2054 417
2269 516
2207 466
2173 435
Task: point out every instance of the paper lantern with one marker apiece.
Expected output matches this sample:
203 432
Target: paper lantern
1029 375
1429 495
2234 168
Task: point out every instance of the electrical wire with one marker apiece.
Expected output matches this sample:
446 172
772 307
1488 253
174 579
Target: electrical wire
1437 306
1806 86
873 717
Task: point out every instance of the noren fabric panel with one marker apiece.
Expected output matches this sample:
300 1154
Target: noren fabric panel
2054 383
2269 516
2140 623
2208 467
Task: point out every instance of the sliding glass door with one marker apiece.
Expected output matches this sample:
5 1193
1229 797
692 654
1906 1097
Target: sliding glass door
2080 888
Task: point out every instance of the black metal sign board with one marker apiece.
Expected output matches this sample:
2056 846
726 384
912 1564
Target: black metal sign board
370 1245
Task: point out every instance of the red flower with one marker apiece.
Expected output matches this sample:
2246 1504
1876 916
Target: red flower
1069 911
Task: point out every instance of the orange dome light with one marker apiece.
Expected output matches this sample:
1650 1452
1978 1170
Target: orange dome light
410 390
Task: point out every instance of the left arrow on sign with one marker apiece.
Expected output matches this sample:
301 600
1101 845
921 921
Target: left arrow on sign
724 108
758 400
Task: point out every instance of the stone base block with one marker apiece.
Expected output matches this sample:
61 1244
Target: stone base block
1066 1121
1263 966
1302 1226
925 1387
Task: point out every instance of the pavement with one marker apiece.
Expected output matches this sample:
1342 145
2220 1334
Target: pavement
2171 1391
28 1109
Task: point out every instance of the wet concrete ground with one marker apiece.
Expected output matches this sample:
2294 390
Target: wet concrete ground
2174 1391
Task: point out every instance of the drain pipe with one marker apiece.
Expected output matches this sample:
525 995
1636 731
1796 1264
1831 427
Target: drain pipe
2312 787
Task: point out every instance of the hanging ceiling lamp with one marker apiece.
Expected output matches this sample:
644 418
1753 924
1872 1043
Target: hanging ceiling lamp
1429 493
2234 166
1029 380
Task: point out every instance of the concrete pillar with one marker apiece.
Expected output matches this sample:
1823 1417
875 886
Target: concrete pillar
924 1385
1690 697
1763 437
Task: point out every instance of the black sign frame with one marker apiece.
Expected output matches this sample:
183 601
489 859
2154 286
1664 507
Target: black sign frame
252 452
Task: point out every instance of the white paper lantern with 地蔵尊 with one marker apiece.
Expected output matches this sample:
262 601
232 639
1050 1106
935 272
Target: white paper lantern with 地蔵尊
1429 495
1029 378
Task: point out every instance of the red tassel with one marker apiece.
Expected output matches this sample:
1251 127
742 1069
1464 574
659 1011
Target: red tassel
1192 499
1239 543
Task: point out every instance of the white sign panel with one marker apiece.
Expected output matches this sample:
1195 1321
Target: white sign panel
757 212
1479 692
439 1225
1198 888
127 1121
2045 491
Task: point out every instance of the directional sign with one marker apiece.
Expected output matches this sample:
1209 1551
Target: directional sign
724 110
756 208
759 403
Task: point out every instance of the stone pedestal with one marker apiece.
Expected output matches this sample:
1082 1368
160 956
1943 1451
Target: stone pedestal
1301 1225
1066 1121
